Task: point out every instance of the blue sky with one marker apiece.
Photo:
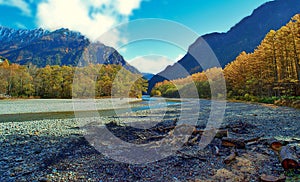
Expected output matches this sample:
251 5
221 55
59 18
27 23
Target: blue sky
94 17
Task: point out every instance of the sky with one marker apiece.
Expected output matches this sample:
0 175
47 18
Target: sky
113 22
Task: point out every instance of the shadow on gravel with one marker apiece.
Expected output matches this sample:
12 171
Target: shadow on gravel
27 156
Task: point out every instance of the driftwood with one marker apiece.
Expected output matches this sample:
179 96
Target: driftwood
289 158
230 142
231 157
268 178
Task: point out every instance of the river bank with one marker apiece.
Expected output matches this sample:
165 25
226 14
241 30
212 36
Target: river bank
273 102
56 150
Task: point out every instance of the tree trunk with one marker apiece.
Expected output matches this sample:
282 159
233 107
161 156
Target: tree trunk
275 144
297 63
289 158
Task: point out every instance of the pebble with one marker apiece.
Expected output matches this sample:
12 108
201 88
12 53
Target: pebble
44 180
18 169
19 159
51 138
38 151
5 159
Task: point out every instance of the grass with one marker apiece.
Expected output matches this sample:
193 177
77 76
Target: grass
292 175
289 101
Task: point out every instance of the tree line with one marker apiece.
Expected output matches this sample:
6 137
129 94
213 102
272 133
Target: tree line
272 70
58 81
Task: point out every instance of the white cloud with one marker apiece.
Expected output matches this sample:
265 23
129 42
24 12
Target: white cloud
125 7
151 64
179 57
90 17
113 39
20 4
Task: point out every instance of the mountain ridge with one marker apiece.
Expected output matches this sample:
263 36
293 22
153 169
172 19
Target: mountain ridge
60 47
246 35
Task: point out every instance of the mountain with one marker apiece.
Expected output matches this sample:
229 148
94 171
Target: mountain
147 76
244 36
61 47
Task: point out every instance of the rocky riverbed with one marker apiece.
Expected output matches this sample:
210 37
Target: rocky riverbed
56 149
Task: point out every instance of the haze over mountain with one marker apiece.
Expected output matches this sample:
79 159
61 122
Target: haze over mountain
244 36
61 47
147 76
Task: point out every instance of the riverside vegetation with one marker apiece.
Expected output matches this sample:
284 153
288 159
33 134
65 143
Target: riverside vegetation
57 81
271 74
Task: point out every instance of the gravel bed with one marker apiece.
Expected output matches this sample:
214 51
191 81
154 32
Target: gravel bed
56 150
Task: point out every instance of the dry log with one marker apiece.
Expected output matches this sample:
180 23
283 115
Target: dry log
256 139
253 141
275 144
230 142
219 133
289 158
231 157
267 178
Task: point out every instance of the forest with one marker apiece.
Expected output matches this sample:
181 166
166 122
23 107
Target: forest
28 81
272 71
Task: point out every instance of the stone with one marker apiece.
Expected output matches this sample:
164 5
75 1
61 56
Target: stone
19 159
38 151
18 169
5 159
44 180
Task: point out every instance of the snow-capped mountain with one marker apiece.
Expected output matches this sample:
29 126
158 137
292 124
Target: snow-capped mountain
60 47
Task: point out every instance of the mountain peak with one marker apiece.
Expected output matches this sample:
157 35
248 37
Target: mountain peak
60 47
